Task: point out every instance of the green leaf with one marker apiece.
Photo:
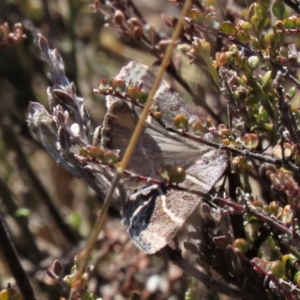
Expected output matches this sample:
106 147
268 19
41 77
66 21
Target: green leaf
292 92
288 24
253 62
23 212
242 36
278 9
196 15
103 84
137 94
118 86
75 219
9 294
228 28
267 79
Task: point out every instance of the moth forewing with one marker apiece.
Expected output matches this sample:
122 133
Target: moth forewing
154 217
168 101
207 170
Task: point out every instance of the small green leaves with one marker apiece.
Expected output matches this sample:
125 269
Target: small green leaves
224 132
178 175
251 141
228 28
22 212
119 89
95 152
274 208
278 9
137 94
291 92
259 16
165 172
157 115
277 269
75 220
201 48
196 15
289 23
181 121
103 84
253 62
199 128
241 244
245 26
297 278
110 158
103 156
243 36
173 174
267 79
202 126
118 86
212 20
9 294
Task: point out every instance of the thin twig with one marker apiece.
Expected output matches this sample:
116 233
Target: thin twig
8 249
293 5
286 116
287 295
260 215
133 140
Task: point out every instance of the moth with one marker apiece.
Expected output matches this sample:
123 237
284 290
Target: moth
154 214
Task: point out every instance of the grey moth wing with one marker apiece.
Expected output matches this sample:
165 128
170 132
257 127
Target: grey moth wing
154 217
165 97
156 146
